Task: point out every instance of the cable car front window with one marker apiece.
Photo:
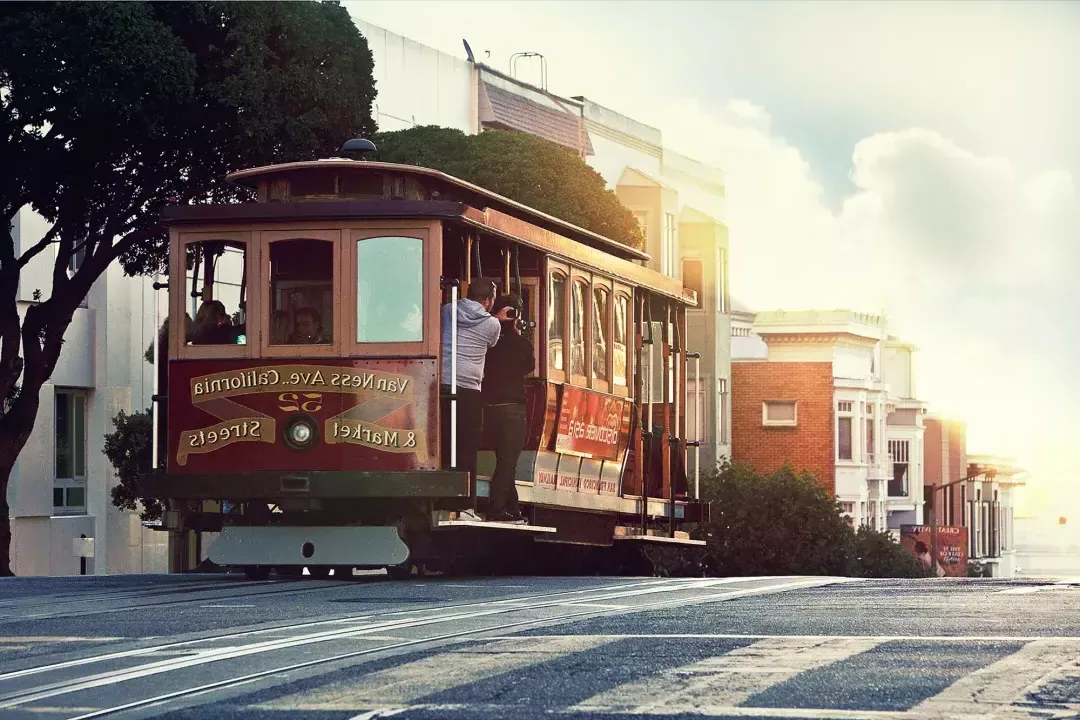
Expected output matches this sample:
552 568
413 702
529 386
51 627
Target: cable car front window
389 290
215 293
301 292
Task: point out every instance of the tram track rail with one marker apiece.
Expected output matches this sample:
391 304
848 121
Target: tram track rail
286 588
590 603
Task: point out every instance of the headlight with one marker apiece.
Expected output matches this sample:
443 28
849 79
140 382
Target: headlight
300 433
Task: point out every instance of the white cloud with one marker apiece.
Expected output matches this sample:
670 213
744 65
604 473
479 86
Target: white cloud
972 258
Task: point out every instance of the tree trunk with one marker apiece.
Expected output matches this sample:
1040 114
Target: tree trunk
5 524
15 428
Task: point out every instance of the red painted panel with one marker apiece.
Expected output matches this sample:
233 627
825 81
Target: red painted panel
229 415
591 423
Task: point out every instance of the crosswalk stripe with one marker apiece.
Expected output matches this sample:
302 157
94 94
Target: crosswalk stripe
992 689
401 684
727 679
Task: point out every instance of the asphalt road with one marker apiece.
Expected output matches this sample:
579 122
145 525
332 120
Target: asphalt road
220 647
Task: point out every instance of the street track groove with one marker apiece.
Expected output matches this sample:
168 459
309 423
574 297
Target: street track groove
783 647
24 696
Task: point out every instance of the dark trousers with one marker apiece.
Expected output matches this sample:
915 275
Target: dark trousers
470 413
509 428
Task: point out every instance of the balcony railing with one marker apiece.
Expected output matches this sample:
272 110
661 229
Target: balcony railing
881 466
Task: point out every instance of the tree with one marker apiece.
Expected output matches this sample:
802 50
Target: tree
787 523
877 555
522 167
130 450
110 111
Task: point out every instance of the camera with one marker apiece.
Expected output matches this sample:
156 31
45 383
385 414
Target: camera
512 313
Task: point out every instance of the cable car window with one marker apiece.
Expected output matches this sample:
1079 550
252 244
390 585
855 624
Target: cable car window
215 295
577 327
621 350
556 330
301 292
601 323
389 290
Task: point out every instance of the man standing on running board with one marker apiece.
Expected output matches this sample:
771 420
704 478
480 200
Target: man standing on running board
508 364
477 331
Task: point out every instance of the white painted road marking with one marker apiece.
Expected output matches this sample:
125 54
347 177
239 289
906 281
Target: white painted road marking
730 678
402 684
992 689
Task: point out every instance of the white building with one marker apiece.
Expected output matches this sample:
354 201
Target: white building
874 424
678 201
60 487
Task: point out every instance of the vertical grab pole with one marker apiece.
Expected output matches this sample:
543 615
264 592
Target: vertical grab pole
696 442
453 376
672 378
647 424
697 426
156 369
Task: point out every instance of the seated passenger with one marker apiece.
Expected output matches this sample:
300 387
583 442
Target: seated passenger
309 330
213 325
279 328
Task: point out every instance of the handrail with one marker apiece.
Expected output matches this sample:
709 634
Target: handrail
696 444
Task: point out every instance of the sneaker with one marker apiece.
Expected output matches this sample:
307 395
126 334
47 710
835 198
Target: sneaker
510 519
470 515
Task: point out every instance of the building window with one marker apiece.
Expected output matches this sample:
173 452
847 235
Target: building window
721 412
643 223
843 407
69 487
723 298
843 437
782 413
389 290
871 451
898 485
692 278
697 415
668 250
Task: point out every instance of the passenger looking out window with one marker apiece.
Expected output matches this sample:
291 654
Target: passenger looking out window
213 326
215 288
309 330
301 308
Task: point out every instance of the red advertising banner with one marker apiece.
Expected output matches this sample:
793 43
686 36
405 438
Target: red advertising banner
952 550
590 423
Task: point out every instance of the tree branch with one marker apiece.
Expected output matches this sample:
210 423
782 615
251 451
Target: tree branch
29 255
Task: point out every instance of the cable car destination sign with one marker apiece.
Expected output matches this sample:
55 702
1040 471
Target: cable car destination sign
300 389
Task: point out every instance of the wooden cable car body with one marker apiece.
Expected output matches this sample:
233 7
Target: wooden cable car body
323 449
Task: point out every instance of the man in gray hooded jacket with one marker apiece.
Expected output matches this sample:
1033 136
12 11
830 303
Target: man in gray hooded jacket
478 331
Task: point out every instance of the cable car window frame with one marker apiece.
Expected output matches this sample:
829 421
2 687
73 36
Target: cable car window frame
178 295
626 292
556 268
578 276
605 284
430 234
266 239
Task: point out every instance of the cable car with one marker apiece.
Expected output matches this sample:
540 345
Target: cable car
299 411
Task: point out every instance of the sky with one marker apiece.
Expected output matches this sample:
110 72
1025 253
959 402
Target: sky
920 158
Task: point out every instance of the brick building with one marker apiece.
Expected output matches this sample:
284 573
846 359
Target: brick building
820 396
974 492
782 413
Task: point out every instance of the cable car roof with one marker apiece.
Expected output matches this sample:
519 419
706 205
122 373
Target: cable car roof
250 178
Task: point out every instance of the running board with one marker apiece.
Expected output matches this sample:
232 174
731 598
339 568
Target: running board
625 534
276 545
449 524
